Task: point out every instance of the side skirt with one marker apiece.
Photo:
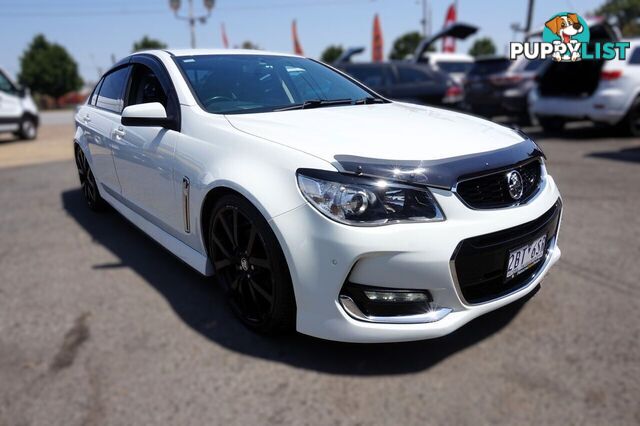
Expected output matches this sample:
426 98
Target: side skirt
188 255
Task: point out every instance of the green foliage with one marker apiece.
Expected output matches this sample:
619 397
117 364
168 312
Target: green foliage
406 45
482 47
331 54
249 45
48 69
147 43
625 12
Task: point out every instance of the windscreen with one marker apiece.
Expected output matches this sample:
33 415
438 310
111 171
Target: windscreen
237 84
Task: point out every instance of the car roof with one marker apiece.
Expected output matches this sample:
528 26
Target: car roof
199 52
454 57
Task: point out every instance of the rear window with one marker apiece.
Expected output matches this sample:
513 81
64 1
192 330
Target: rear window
455 67
534 64
112 91
492 66
412 75
634 59
369 76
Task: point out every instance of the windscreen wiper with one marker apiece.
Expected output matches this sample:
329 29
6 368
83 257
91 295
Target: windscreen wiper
370 100
317 103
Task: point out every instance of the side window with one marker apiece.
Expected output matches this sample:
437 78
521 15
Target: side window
6 86
634 59
411 75
145 87
369 76
94 94
112 90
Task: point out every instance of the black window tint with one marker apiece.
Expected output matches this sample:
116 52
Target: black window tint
6 85
94 94
635 57
411 75
369 76
145 87
111 91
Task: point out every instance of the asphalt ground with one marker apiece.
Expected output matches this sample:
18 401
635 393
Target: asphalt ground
99 325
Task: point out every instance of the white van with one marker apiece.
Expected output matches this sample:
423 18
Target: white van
18 112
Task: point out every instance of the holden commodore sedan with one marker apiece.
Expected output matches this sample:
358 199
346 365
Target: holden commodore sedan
318 205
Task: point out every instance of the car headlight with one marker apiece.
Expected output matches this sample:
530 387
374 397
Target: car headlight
364 201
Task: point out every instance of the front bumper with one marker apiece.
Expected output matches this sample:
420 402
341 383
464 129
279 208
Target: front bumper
322 255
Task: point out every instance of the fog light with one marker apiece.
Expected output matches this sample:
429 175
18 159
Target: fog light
393 296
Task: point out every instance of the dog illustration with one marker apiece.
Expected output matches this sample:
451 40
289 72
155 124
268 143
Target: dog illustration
565 27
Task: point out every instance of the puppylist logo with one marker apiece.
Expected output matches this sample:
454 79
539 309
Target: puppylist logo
566 38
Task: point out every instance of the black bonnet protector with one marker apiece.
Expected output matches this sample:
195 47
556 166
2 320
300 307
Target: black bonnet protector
442 173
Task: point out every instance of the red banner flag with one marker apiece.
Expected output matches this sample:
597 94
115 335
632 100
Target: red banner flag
449 43
378 42
297 48
225 40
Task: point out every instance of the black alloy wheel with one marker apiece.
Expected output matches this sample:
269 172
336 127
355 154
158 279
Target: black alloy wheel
250 265
88 182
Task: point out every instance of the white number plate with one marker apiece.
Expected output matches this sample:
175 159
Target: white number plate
526 256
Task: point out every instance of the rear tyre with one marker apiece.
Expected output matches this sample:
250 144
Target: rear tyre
28 129
251 266
630 125
551 124
88 182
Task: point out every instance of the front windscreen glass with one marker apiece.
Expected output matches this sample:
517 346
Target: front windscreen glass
237 84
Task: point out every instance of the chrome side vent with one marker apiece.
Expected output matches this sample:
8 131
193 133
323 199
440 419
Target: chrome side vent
186 188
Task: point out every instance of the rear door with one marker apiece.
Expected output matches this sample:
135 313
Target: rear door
144 156
99 119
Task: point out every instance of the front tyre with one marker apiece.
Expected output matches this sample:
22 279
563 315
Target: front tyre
88 182
28 129
250 265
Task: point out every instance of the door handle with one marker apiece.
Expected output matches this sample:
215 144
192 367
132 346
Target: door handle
119 133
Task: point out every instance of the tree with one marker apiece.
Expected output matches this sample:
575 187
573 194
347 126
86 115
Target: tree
482 46
331 53
249 45
48 69
147 43
625 12
406 45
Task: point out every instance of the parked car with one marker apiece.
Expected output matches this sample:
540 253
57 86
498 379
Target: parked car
18 112
315 203
496 86
414 80
601 91
457 65
406 81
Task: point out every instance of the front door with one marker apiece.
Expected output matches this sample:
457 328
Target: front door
144 157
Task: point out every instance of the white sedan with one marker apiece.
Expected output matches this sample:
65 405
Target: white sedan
318 205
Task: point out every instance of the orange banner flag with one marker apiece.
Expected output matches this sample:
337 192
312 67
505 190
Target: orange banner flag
449 43
297 48
225 40
378 42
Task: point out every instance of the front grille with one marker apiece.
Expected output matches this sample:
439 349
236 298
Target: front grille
491 191
480 263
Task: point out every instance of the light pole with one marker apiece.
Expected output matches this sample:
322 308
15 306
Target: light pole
191 18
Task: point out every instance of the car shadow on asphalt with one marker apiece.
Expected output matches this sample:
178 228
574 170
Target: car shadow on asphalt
201 304
631 155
